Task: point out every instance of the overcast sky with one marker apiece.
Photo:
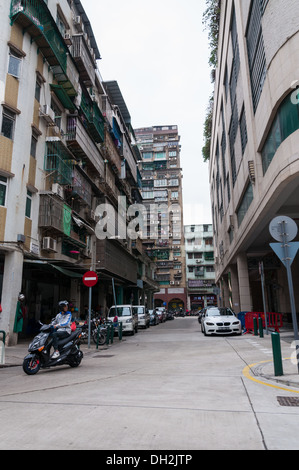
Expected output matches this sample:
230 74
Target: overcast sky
158 53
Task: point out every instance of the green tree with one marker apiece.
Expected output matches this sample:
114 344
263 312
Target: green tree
211 21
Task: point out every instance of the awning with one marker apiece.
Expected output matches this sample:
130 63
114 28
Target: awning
80 223
62 96
67 272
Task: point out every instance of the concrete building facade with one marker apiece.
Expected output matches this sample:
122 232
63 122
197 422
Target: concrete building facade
254 161
163 232
67 148
200 271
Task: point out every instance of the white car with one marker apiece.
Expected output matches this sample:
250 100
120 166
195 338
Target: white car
143 316
126 316
219 320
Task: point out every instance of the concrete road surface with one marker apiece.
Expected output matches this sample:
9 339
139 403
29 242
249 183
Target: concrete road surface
166 388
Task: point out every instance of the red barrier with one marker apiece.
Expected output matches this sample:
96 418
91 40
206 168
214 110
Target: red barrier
274 320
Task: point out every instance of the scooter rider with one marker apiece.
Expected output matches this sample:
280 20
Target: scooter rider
61 326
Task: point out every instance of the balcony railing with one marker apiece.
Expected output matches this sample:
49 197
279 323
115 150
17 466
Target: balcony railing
82 146
83 60
58 161
95 119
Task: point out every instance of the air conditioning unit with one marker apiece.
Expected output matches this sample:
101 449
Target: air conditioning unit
57 189
179 271
170 235
172 283
68 39
78 22
49 244
47 114
198 261
175 259
177 283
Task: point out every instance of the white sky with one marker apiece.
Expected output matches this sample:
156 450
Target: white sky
158 53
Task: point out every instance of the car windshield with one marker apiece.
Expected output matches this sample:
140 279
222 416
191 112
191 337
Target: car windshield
120 312
138 309
217 312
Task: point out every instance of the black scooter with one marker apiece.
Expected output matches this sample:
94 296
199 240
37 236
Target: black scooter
39 349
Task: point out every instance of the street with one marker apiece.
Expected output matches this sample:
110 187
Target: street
168 387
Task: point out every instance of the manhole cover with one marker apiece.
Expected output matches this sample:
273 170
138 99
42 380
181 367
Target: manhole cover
288 401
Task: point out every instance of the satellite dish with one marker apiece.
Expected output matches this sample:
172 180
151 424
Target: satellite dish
277 228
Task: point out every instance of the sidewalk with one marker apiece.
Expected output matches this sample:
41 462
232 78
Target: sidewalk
264 370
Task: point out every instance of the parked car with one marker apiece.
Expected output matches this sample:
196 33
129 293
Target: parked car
126 316
154 319
161 314
143 316
220 320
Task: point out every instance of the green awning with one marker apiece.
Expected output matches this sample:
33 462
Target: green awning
62 96
67 272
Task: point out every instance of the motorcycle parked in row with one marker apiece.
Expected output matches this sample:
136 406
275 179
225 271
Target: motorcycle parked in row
39 351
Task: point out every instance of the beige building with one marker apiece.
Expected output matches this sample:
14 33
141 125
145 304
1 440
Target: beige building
163 231
67 149
254 161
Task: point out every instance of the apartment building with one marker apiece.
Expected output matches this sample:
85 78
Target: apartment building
200 272
254 162
163 233
67 149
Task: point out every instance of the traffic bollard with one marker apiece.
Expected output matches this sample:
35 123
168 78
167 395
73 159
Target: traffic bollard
261 329
278 369
2 348
120 331
111 334
108 334
255 326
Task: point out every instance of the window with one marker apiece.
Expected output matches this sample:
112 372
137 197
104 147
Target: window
28 204
285 123
147 155
160 156
159 183
8 122
57 112
256 50
243 129
33 146
14 65
245 203
37 90
3 187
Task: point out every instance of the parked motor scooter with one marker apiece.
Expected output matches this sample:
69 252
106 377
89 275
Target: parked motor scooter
39 351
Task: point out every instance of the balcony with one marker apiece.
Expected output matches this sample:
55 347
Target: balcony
57 218
37 21
95 120
58 161
81 145
83 59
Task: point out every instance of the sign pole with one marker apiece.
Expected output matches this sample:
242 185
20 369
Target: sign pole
263 293
89 280
291 290
89 316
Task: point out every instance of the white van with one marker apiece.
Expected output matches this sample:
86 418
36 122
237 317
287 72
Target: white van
126 316
143 316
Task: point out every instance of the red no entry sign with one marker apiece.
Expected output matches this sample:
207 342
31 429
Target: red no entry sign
90 279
